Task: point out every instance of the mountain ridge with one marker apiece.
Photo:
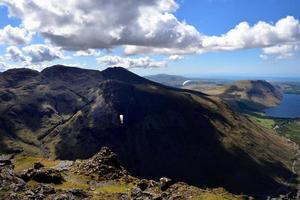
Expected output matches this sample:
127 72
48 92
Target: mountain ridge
63 117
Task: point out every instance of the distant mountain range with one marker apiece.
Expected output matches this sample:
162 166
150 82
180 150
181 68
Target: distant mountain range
241 95
170 80
70 113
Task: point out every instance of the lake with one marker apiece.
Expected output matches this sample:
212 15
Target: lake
289 107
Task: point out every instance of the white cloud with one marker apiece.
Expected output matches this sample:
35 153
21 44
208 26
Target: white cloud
281 51
243 36
33 54
15 36
3 67
175 57
40 53
143 62
14 54
263 56
261 35
6 66
102 24
142 27
70 64
88 52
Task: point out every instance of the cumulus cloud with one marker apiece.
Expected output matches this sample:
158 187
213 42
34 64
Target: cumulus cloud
40 53
13 53
89 24
282 35
276 39
3 67
261 35
143 27
175 57
88 52
281 51
15 36
143 62
33 54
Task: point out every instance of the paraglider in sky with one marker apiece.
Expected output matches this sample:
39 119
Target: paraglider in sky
185 82
121 119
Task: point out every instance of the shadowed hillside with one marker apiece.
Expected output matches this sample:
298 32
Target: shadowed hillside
70 113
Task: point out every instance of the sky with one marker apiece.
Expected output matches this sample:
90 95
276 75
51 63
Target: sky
209 38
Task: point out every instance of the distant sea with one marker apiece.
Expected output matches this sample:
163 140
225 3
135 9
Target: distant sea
289 107
244 77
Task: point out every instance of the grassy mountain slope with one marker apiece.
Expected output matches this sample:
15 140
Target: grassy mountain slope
70 113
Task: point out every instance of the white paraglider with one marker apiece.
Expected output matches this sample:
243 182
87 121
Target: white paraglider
121 119
185 82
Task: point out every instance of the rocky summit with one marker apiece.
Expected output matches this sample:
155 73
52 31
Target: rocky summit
100 177
67 113
102 166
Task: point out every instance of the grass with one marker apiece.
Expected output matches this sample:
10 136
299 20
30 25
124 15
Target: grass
115 188
263 121
74 181
290 129
27 136
26 162
29 149
216 194
286 127
69 184
211 196
3 192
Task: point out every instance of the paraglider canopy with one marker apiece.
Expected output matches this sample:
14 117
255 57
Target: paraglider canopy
121 119
186 82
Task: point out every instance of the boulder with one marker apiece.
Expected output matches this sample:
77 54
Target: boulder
136 193
64 165
165 183
143 184
38 165
48 176
5 160
42 175
78 193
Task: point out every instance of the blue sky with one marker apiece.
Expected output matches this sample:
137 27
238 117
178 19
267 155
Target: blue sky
216 17
197 53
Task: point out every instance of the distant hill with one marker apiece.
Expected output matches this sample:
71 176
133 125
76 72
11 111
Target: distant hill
170 80
246 94
241 95
253 94
70 113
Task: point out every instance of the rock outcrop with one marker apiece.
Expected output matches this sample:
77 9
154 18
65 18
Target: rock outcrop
102 166
106 179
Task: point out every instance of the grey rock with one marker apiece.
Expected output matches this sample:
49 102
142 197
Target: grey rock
165 183
136 192
143 185
38 165
64 165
